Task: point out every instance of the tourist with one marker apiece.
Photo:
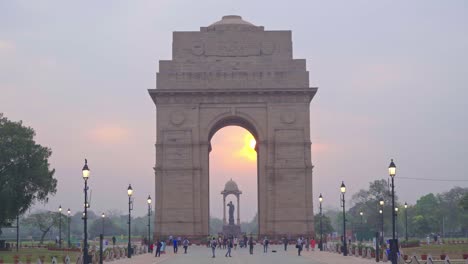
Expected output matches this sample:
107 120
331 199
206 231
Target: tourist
245 241
220 242
235 243
213 246
158 248
251 245
299 245
185 244
307 241
285 242
229 247
265 245
175 245
312 244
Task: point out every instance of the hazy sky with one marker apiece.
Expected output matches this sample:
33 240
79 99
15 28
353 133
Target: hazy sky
392 78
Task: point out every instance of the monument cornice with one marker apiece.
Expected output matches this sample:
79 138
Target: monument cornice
191 95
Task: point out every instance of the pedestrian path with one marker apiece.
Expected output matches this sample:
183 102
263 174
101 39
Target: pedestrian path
202 255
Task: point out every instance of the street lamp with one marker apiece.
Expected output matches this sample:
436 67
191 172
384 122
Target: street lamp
321 230
69 213
361 213
102 217
60 226
381 202
86 173
149 222
343 190
394 241
129 192
406 222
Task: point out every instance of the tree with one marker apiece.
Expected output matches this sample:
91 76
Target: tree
110 228
25 176
45 221
327 227
464 202
367 201
427 215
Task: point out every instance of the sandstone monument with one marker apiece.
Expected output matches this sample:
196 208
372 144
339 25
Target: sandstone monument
233 73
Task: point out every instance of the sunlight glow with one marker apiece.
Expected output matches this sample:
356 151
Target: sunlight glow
248 150
252 143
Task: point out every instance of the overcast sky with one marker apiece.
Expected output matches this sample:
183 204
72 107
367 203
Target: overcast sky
392 78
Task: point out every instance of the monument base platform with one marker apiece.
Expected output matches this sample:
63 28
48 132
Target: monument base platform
232 230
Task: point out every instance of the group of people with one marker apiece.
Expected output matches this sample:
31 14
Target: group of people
232 242
301 242
229 243
160 245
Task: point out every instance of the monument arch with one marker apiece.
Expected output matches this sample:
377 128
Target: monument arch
233 73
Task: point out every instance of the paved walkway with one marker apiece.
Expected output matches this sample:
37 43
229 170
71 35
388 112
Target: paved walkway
202 254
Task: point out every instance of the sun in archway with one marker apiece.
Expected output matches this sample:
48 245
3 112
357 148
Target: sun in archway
248 149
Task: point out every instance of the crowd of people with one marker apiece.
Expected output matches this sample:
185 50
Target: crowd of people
229 243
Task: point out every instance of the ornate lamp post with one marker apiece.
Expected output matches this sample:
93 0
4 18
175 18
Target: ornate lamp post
68 219
361 213
150 240
86 173
343 190
129 192
102 217
406 222
381 203
394 242
321 230
60 226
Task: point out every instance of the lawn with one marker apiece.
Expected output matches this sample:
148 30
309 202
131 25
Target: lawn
454 251
35 253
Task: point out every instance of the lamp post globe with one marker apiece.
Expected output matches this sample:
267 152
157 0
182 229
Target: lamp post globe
85 173
343 191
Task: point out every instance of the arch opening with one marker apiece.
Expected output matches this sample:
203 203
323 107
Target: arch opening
233 158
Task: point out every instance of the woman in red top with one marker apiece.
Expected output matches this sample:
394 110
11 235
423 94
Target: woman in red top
312 244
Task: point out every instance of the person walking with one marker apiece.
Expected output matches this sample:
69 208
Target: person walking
213 246
306 242
299 245
312 244
265 245
158 248
185 243
251 245
229 247
285 242
236 240
245 241
175 245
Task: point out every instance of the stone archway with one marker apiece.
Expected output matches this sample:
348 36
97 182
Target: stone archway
233 73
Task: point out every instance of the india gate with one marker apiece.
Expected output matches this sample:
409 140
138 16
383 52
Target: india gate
233 73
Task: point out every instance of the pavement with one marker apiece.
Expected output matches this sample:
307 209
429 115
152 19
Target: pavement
202 254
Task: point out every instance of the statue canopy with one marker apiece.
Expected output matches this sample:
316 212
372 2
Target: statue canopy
231 188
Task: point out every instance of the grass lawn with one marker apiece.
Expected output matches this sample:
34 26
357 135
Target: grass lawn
453 251
35 253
